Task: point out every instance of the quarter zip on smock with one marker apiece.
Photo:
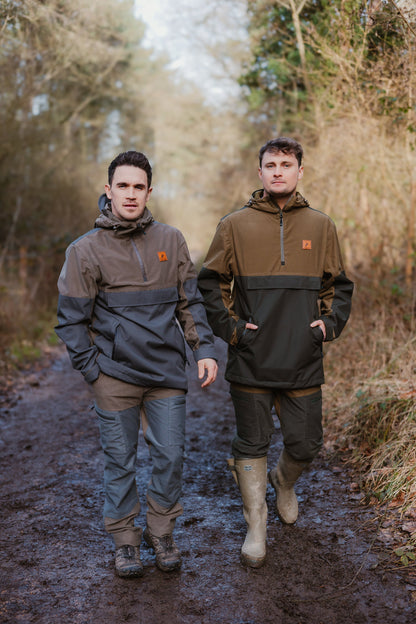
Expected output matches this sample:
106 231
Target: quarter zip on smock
137 252
282 240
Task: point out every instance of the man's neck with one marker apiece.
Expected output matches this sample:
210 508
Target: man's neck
280 202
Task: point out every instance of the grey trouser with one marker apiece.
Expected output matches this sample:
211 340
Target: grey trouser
299 412
120 407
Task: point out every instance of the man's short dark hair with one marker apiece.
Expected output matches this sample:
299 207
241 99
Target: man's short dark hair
136 159
282 144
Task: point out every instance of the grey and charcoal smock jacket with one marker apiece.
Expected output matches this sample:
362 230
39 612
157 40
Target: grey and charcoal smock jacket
128 298
281 270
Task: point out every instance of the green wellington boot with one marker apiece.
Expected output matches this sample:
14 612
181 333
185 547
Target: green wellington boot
283 478
252 481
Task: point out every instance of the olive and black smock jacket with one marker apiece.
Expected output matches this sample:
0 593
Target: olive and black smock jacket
281 270
128 300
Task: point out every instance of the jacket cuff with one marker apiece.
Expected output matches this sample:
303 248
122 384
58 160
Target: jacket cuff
205 352
239 330
330 334
92 374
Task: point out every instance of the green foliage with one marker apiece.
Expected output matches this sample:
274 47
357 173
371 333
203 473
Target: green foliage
52 339
406 555
349 49
274 72
23 352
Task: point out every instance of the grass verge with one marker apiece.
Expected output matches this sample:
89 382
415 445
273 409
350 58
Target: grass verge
371 409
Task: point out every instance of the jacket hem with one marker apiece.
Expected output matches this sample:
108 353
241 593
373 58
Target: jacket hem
279 385
118 371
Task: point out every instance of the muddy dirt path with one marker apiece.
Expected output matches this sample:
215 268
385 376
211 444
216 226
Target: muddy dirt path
57 560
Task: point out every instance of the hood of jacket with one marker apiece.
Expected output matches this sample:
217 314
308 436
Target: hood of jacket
108 220
262 201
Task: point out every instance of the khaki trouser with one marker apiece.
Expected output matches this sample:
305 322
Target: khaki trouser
121 407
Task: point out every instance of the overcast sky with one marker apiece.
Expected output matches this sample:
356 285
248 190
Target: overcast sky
186 28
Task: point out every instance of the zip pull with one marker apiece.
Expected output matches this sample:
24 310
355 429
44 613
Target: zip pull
282 241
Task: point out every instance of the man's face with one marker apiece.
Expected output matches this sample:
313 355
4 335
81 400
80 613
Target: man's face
280 173
128 192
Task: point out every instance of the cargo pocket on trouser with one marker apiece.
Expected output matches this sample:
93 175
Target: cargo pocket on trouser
300 415
165 434
254 422
119 437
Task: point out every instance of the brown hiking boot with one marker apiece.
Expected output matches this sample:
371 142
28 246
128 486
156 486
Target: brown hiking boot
128 564
168 557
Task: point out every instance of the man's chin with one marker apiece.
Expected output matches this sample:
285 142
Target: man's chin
132 217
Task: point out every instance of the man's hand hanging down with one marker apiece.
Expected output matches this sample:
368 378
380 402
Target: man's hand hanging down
210 367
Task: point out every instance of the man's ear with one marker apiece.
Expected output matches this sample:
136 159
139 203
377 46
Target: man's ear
300 174
107 189
260 176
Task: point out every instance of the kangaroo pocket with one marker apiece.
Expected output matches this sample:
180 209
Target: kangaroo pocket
145 334
284 347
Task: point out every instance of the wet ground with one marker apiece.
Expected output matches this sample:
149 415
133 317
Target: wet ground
57 560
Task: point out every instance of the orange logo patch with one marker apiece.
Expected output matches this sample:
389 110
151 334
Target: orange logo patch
306 244
162 256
